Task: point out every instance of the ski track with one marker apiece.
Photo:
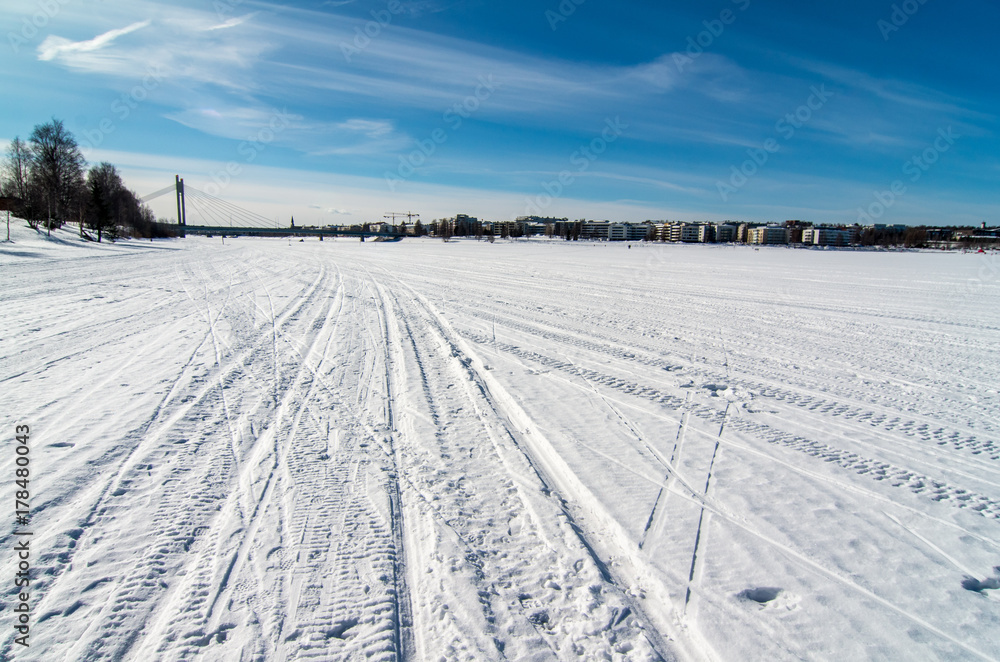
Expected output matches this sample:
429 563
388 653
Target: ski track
361 453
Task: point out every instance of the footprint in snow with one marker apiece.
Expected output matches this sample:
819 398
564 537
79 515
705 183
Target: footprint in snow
761 595
990 583
769 597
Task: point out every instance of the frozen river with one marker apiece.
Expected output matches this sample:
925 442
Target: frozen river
273 450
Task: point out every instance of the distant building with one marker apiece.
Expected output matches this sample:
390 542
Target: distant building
673 231
725 233
694 233
768 235
598 230
643 232
743 233
795 229
608 231
980 235
502 228
465 225
830 237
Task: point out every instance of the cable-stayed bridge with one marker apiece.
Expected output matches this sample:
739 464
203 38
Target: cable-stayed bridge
215 216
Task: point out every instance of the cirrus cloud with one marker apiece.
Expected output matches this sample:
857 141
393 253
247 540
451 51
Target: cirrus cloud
54 47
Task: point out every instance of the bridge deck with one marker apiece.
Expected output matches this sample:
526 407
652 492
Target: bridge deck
279 232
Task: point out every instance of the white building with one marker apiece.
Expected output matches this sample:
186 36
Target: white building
694 233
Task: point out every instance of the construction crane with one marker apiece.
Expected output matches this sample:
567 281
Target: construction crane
394 215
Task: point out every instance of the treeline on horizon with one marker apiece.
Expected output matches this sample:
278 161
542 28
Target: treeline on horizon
48 183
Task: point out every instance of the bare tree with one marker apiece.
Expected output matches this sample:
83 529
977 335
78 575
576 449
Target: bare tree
57 167
16 175
17 169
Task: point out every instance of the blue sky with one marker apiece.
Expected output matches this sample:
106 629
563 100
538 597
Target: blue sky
343 110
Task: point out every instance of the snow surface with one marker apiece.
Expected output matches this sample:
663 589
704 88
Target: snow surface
280 450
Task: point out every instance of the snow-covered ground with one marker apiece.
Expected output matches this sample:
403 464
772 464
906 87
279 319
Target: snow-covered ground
282 450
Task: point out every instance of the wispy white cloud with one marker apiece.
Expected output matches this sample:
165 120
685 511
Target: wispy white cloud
331 210
59 47
236 122
370 128
661 74
355 136
296 55
225 79
187 46
897 92
233 22
427 71
661 183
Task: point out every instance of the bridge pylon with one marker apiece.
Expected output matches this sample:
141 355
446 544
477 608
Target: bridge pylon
181 207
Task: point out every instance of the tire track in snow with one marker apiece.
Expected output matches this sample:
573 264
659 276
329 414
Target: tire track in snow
567 491
925 427
333 586
915 482
554 329
709 505
121 480
403 626
691 491
183 532
183 519
310 505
